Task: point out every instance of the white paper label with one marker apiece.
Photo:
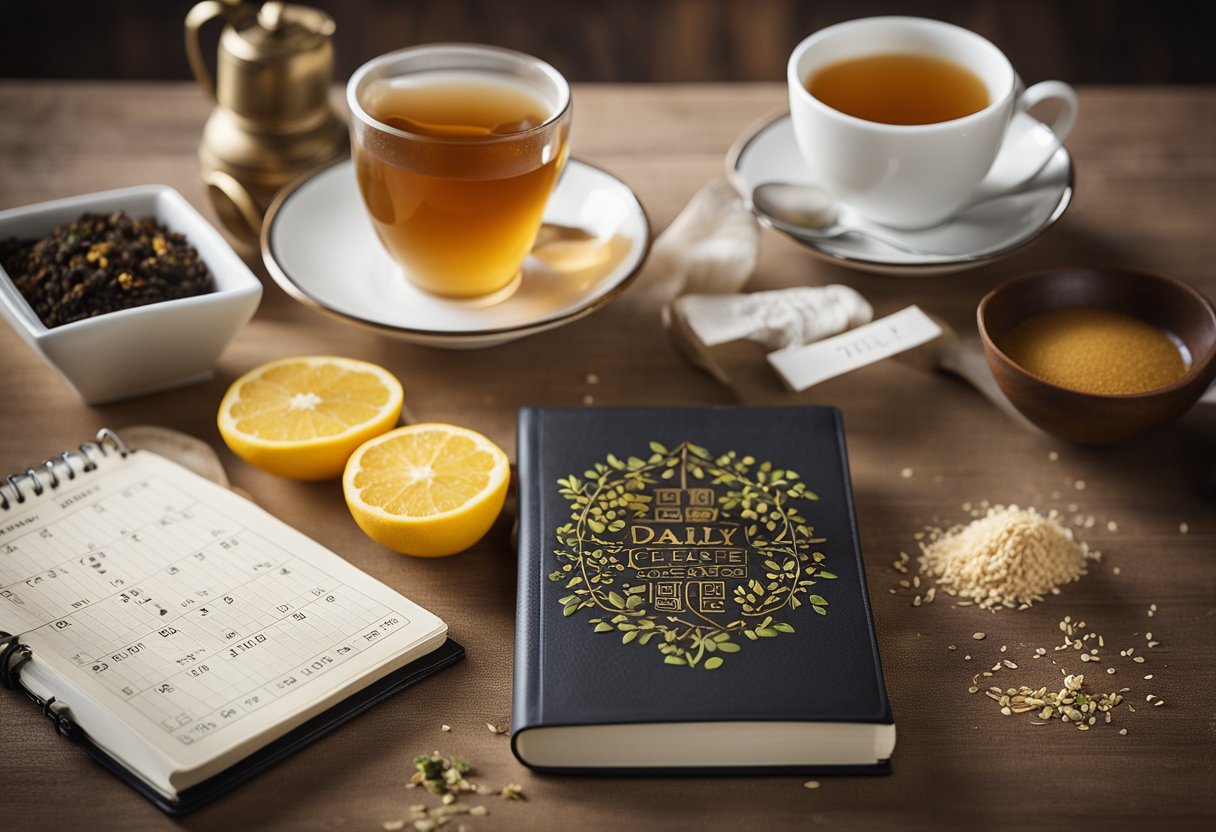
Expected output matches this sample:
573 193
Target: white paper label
808 364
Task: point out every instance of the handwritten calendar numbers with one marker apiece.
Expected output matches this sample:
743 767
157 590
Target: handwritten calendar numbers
316 666
189 658
128 652
193 620
242 647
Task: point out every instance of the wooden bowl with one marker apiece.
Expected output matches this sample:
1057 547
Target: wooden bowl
1091 418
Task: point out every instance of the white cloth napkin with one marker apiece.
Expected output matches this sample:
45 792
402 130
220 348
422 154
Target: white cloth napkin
698 266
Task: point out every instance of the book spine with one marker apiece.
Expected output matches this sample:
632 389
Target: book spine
525 711
851 505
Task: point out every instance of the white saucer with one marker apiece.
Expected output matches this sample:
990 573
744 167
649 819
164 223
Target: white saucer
982 233
319 246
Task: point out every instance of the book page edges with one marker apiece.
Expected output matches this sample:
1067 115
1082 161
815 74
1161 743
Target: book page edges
693 745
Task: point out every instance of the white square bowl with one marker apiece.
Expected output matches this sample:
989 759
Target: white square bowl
159 346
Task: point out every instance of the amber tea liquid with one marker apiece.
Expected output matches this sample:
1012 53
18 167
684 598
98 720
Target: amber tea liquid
900 89
459 201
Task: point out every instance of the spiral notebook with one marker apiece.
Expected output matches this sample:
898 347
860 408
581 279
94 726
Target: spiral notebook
184 636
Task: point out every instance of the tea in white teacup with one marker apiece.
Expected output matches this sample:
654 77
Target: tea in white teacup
900 88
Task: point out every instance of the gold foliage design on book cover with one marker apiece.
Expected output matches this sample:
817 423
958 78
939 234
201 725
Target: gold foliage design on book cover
688 553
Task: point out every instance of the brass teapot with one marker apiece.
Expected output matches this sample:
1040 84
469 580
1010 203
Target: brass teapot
273 120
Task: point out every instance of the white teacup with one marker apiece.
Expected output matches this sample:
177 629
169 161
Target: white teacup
916 176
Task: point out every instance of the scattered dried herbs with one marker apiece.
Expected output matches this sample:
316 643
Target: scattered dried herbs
444 776
103 263
1072 703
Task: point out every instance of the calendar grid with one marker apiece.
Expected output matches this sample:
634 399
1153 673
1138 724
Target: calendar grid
186 615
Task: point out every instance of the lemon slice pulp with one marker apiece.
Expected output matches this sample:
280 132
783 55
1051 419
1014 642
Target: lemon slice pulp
302 417
427 489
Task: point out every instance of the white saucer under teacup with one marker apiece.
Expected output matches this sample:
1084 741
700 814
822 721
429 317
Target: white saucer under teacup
1000 223
320 247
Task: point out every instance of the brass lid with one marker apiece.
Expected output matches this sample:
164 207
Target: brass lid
279 31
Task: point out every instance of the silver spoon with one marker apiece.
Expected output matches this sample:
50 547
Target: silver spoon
810 212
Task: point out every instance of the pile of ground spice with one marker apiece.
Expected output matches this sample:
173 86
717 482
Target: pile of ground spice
1010 558
103 263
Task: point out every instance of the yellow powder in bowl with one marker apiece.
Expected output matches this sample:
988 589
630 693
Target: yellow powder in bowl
1096 351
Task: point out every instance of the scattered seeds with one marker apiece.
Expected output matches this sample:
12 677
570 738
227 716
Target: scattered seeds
445 727
978 636
1053 456
498 729
811 784
1079 485
906 473
1006 558
591 378
1183 527
588 399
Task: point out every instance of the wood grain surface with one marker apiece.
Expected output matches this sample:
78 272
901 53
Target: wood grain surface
1146 196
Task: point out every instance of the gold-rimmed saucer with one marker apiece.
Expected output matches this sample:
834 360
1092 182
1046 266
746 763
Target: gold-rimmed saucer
320 247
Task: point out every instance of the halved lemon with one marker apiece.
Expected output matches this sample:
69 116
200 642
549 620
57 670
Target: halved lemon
302 417
428 490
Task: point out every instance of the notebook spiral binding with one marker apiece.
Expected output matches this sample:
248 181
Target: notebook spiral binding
14 653
47 474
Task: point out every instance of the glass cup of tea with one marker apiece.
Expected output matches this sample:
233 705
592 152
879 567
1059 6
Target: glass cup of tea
457 148
902 118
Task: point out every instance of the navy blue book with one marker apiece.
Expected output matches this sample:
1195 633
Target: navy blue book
692 596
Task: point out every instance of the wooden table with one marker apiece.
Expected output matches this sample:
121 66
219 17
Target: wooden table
1146 196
